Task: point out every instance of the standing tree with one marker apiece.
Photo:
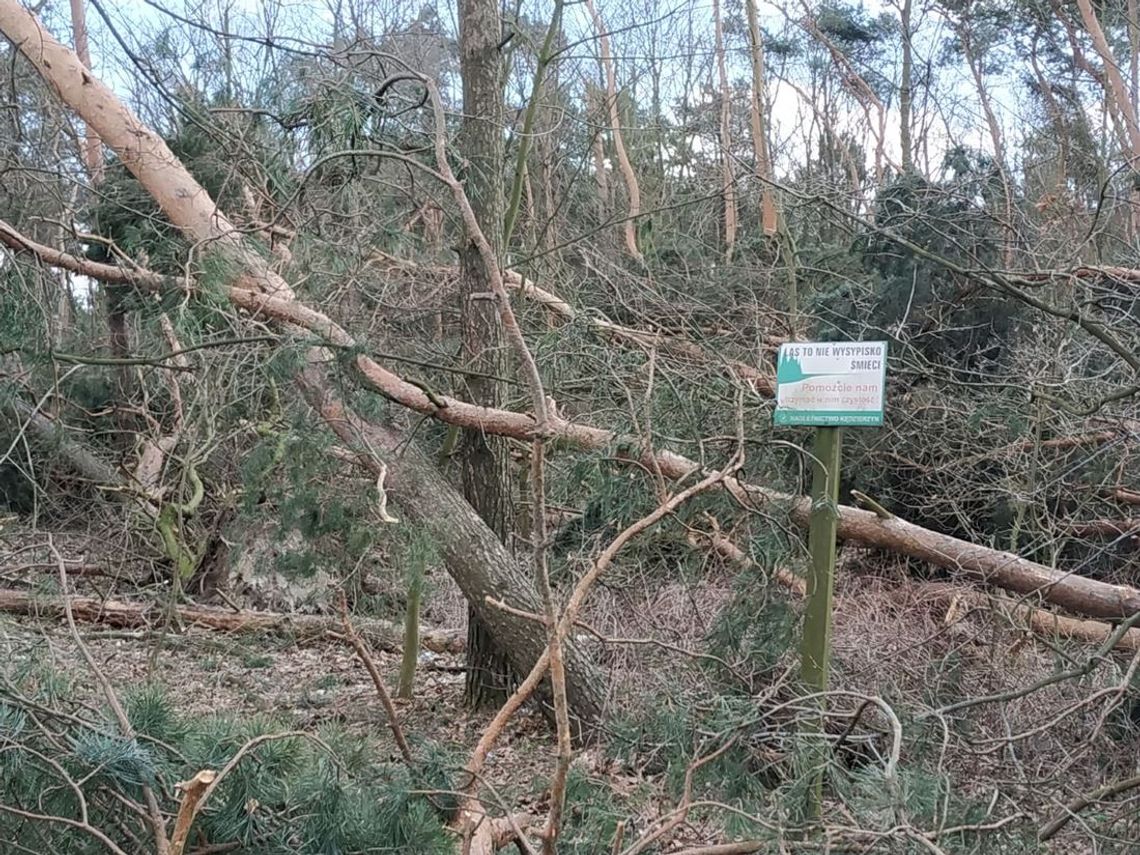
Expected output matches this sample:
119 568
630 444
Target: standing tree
483 458
725 138
763 161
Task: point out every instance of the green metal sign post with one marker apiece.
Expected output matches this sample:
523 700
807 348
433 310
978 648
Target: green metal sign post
828 385
816 648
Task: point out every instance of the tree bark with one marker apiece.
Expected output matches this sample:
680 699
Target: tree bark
633 189
1003 569
1118 93
859 88
905 91
118 331
78 459
193 209
595 107
964 30
476 559
727 182
769 216
1041 623
92 147
483 458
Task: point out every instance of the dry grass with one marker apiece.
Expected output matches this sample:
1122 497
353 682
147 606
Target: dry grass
1037 745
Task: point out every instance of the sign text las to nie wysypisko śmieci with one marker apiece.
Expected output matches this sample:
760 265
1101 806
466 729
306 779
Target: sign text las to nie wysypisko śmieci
831 383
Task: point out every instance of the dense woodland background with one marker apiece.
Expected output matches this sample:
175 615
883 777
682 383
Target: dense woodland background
358 355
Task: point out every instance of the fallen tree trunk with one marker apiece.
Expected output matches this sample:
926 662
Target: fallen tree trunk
1003 569
122 613
1102 528
994 567
475 557
1041 622
1038 621
24 416
134 143
1128 497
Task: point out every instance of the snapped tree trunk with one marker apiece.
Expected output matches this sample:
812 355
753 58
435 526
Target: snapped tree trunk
118 331
633 189
727 181
483 458
763 163
964 31
135 615
1118 96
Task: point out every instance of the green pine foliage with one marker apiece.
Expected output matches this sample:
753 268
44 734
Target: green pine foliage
290 792
592 814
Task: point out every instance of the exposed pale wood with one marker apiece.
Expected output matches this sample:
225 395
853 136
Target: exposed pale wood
633 189
1040 622
260 290
728 184
192 792
761 380
859 88
1077 593
92 148
1103 527
757 104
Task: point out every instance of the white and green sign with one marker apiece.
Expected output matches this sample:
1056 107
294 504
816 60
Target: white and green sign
831 383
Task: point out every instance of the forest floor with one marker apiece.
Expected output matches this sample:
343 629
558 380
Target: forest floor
303 686
889 643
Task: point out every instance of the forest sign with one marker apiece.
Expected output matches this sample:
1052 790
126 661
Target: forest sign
831 383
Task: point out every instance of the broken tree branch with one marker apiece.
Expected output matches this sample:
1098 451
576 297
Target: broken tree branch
370 666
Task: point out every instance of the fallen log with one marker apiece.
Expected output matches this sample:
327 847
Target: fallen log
730 552
1075 593
136 615
1045 624
1119 274
259 289
994 567
1128 497
1041 622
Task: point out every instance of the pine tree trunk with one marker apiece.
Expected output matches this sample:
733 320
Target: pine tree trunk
633 189
763 166
92 149
478 561
905 92
728 183
483 458
475 558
